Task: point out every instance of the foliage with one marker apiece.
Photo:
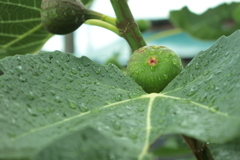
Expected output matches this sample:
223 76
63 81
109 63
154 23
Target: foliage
21 33
212 24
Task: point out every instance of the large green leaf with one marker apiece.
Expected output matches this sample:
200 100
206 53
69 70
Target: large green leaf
57 106
21 30
215 22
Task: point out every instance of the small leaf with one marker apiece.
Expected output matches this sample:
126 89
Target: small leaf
21 27
215 22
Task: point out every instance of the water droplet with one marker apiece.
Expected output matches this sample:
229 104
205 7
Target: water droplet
229 74
72 104
68 87
197 66
49 78
218 72
79 68
205 63
52 93
74 71
175 61
206 72
152 79
57 99
31 112
69 79
37 66
165 76
45 66
161 121
118 97
22 79
192 91
83 108
152 68
116 125
86 74
140 108
132 135
30 96
227 53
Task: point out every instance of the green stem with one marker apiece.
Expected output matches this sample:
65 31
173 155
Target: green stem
102 24
90 14
126 25
199 149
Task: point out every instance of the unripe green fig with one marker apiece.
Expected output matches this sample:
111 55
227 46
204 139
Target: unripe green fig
153 67
62 16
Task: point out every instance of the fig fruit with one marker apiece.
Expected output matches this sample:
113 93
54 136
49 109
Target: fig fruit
153 67
62 16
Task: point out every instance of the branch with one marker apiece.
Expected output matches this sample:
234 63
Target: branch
126 25
199 149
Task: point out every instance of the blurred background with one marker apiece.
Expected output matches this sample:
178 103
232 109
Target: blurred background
102 45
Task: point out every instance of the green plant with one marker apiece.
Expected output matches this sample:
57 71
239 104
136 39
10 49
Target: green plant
54 105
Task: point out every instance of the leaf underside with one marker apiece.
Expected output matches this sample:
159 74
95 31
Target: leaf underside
59 106
212 24
21 29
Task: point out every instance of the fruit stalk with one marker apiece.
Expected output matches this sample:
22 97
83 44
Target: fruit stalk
126 25
102 24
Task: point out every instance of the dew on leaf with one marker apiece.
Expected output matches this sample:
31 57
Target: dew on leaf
79 68
69 79
118 97
31 96
31 112
52 93
205 63
49 78
10 87
140 108
132 135
218 72
74 71
68 87
86 74
83 108
72 104
22 79
165 76
57 99
161 121
206 72
45 66
116 125
192 91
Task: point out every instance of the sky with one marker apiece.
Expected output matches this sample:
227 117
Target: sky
90 39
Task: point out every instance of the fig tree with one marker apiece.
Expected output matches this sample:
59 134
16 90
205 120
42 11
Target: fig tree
153 67
62 16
